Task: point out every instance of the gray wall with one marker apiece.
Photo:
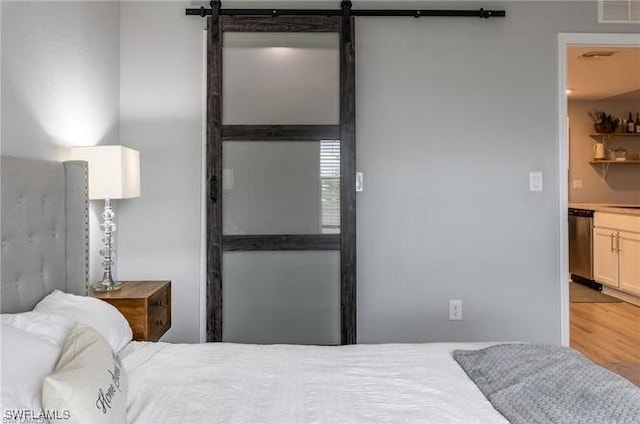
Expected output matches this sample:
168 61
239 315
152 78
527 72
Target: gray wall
60 76
161 116
60 82
622 182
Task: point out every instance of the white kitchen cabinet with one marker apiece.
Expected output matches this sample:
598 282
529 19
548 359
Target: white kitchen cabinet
629 262
605 257
616 251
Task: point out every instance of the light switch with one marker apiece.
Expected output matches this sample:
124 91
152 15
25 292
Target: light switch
359 181
227 179
535 181
577 184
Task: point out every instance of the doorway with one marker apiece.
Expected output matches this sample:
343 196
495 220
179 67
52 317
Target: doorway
597 328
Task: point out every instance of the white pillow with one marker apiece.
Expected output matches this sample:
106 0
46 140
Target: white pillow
100 315
26 360
89 384
52 327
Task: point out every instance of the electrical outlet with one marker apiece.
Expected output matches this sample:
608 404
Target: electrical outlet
455 310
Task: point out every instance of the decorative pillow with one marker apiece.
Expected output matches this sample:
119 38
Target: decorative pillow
52 327
104 318
26 360
89 384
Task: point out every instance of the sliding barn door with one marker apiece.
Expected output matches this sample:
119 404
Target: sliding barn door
281 181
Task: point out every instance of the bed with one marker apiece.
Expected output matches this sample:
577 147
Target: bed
45 257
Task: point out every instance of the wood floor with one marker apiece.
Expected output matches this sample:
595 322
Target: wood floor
608 334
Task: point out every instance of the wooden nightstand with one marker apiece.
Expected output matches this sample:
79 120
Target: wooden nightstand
145 304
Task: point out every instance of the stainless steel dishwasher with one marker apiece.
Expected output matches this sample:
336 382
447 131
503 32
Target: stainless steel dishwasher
581 247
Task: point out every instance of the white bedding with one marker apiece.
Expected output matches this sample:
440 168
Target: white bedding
283 384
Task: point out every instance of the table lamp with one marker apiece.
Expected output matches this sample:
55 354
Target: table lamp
114 173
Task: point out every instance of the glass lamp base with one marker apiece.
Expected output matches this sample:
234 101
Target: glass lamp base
106 286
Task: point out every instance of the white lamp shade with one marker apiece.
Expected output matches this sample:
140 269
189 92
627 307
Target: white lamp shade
114 171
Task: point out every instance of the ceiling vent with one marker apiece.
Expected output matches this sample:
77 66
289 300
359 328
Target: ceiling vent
619 11
596 55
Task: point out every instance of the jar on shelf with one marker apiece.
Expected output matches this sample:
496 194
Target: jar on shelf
620 154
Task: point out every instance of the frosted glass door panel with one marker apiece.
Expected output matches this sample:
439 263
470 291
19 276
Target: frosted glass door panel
281 187
281 297
280 79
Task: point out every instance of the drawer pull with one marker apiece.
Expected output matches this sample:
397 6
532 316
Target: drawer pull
159 322
158 303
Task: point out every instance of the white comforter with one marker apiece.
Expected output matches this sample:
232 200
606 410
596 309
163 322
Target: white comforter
282 384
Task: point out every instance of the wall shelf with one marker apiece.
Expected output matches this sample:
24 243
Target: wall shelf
604 137
617 134
605 163
608 137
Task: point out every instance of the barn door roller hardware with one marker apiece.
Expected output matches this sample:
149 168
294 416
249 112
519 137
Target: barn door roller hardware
346 8
346 21
345 11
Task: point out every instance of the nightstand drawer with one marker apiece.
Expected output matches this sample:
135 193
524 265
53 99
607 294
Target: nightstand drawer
159 315
145 304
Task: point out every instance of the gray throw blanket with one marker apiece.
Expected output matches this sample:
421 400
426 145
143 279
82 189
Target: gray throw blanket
531 384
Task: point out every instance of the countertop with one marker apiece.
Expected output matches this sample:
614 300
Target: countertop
605 207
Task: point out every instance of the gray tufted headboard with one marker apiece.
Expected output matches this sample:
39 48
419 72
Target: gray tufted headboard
45 231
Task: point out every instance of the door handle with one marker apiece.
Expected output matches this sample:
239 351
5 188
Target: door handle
618 243
612 242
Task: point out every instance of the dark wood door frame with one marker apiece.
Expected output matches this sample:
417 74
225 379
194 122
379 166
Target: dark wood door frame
217 133
347 182
214 179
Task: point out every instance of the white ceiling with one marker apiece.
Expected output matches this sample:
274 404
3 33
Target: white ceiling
599 78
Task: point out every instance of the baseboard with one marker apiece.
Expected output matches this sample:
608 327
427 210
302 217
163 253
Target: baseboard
629 298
